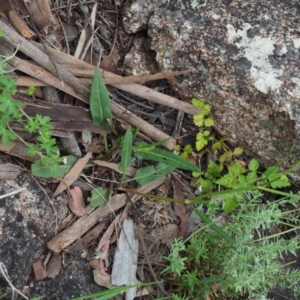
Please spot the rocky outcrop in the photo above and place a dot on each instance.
(247, 57)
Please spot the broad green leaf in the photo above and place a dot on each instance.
(164, 169)
(39, 170)
(126, 150)
(148, 174)
(215, 227)
(168, 158)
(253, 165)
(99, 196)
(145, 175)
(99, 101)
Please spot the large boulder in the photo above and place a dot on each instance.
(247, 55)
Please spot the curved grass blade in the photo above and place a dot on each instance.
(167, 158)
(99, 101)
(215, 227)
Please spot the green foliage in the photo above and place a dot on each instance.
(207, 266)
(202, 121)
(99, 196)
(11, 110)
(177, 264)
(31, 90)
(225, 171)
(65, 164)
(171, 159)
(126, 155)
(151, 173)
(107, 294)
(99, 101)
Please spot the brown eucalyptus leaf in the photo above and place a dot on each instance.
(76, 202)
(73, 174)
(39, 270)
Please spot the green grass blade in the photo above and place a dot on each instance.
(215, 227)
(126, 154)
(167, 158)
(109, 294)
(279, 193)
(99, 100)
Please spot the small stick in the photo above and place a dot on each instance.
(12, 193)
(4, 273)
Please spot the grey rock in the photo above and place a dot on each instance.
(27, 222)
(247, 57)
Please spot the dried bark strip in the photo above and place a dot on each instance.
(20, 25)
(108, 79)
(78, 68)
(83, 224)
(15, 39)
(18, 149)
(41, 15)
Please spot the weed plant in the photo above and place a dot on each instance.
(206, 266)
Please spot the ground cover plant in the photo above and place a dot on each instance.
(206, 266)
